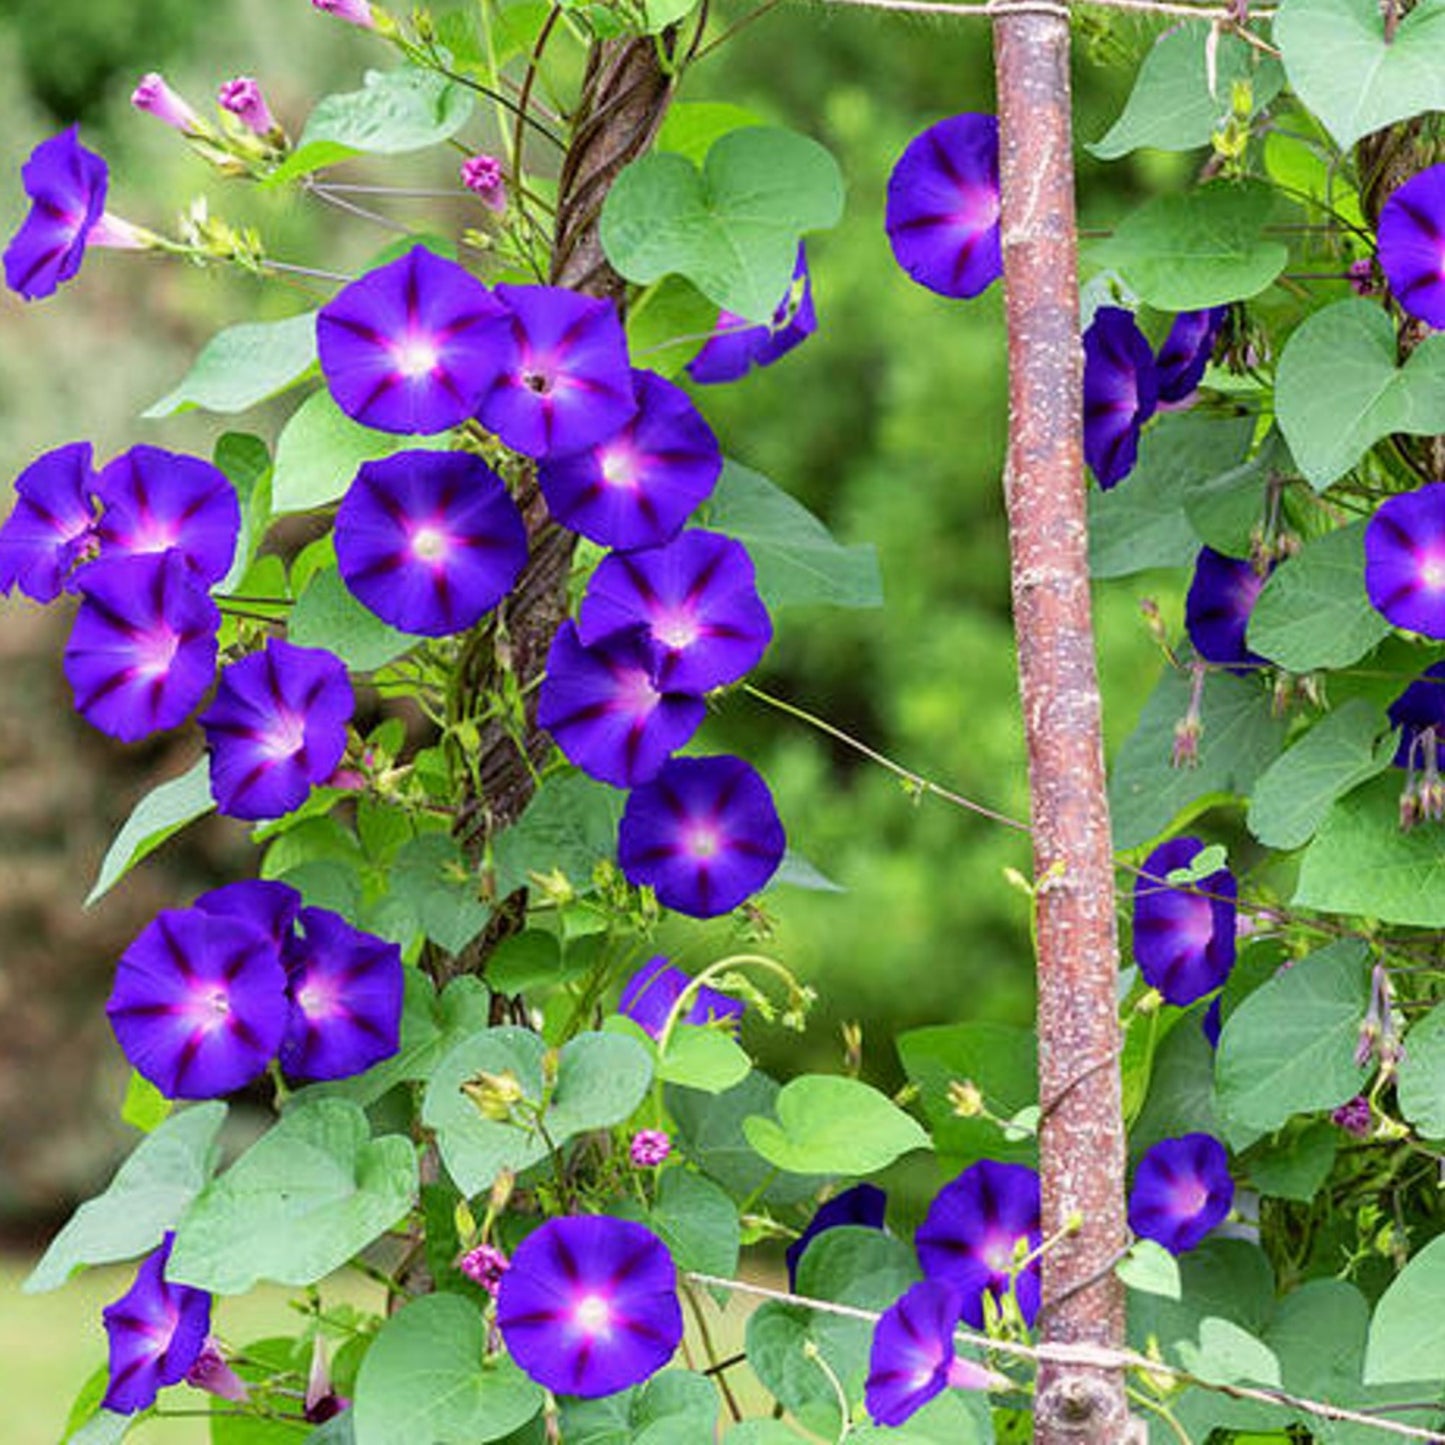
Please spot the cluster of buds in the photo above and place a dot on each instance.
(1423, 797)
(248, 140)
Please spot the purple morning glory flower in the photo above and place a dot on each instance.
(737, 344)
(142, 652)
(157, 1332)
(605, 712)
(154, 500)
(1420, 709)
(1412, 245)
(276, 725)
(589, 1305)
(1182, 1189)
(414, 345)
(649, 995)
(972, 1232)
(154, 96)
(942, 214)
(1183, 939)
(199, 1004)
(429, 541)
(704, 833)
(51, 523)
(567, 384)
(1120, 393)
(264, 903)
(863, 1204)
(346, 990)
(638, 487)
(1221, 596)
(697, 598)
(242, 97)
(1186, 351)
(1405, 560)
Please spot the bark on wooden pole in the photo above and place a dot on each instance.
(1081, 1142)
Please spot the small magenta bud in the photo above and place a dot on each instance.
(1361, 275)
(482, 175)
(156, 98)
(1354, 1116)
(354, 12)
(485, 1265)
(212, 1373)
(650, 1147)
(243, 98)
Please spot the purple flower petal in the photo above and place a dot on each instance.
(157, 1332)
(243, 98)
(1120, 393)
(1418, 710)
(1182, 1189)
(199, 1004)
(649, 995)
(704, 833)
(912, 1351)
(414, 345)
(605, 712)
(637, 488)
(1186, 351)
(66, 184)
(736, 345)
(589, 1305)
(942, 216)
(429, 541)
(863, 1204)
(698, 600)
(142, 652)
(972, 1232)
(51, 523)
(1212, 1024)
(346, 991)
(265, 904)
(1184, 941)
(1412, 245)
(1405, 560)
(276, 726)
(1221, 597)
(568, 383)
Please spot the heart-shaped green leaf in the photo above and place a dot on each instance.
(828, 1125)
(732, 228)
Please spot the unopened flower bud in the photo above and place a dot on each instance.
(494, 1095)
(1361, 274)
(485, 1265)
(649, 1148)
(852, 1048)
(243, 98)
(156, 98)
(501, 1193)
(965, 1098)
(354, 12)
(482, 175)
(210, 1372)
(1354, 1116)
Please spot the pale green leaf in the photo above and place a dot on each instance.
(828, 1125)
(240, 367)
(163, 811)
(318, 453)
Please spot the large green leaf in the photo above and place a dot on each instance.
(1407, 1334)
(675, 1407)
(1226, 509)
(327, 615)
(1340, 387)
(691, 127)
(601, 1079)
(243, 365)
(732, 228)
(163, 811)
(318, 453)
(570, 825)
(1340, 64)
(697, 1222)
(1421, 1080)
(430, 891)
(829, 1125)
(312, 1191)
(428, 1380)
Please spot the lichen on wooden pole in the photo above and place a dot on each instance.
(1081, 1143)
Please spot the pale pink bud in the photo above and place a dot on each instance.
(354, 12)
(243, 98)
(156, 98)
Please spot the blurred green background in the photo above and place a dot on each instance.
(890, 424)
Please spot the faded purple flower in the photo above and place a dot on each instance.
(242, 97)
(211, 1372)
(276, 725)
(155, 97)
(704, 834)
(1183, 935)
(51, 523)
(972, 1233)
(1405, 560)
(567, 383)
(354, 12)
(605, 712)
(649, 1148)
(1355, 1117)
(1186, 351)
(737, 344)
(1182, 1189)
(1418, 711)
(321, 1402)
(864, 1205)
(638, 487)
(156, 1331)
(1120, 393)
(1221, 597)
(482, 176)
(142, 652)
(485, 1265)
(1412, 245)
(698, 600)
(199, 1004)
(943, 199)
(414, 345)
(429, 541)
(648, 998)
(589, 1305)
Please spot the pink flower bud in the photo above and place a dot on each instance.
(485, 1265)
(482, 175)
(156, 98)
(650, 1147)
(354, 12)
(243, 98)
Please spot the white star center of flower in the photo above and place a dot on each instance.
(415, 357)
(620, 467)
(593, 1315)
(1432, 573)
(429, 544)
(702, 841)
(676, 628)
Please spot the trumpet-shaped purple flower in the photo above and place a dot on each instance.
(155, 500)
(589, 1305)
(942, 214)
(638, 487)
(1405, 560)
(1412, 245)
(1120, 393)
(1221, 597)
(736, 344)
(142, 651)
(346, 990)
(972, 1233)
(1182, 1189)
(649, 996)
(605, 712)
(567, 383)
(211, 1371)
(429, 541)
(704, 834)
(864, 1205)
(157, 1332)
(242, 97)
(414, 345)
(155, 97)
(1186, 351)
(199, 1004)
(51, 523)
(276, 725)
(697, 599)
(1420, 709)
(1184, 936)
